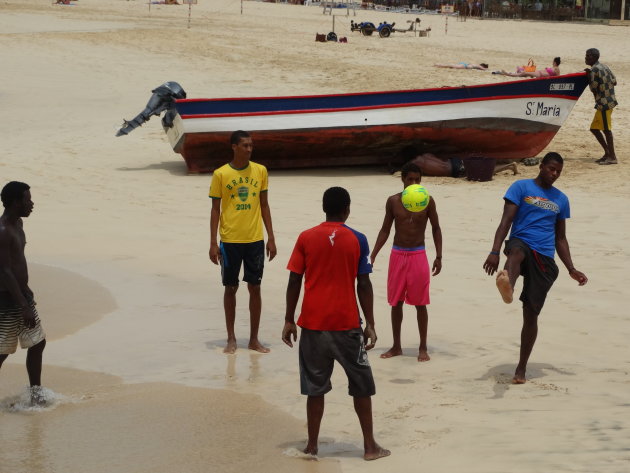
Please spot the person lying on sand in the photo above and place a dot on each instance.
(546, 72)
(464, 65)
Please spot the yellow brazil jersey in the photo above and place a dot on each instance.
(239, 191)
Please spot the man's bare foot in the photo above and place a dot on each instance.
(376, 453)
(519, 377)
(393, 351)
(310, 450)
(504, 286)
(230, 348)
(423, 355)
(257, 346)
(608, 161)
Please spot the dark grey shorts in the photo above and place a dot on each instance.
(318, 352)
(539, 273)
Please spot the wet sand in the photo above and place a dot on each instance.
(100, 425)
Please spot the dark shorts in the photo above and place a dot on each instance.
(250, 255)
(539, 273)
(318, 352)
(457, 167)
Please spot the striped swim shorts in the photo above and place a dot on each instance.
(12, 330)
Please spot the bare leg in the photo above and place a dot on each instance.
(505, 167)
(229, 305)
(34, 363)
(602, 142)
(529, 333)
(423, 324)
(612, 157)
(314, 413)
(397, 317)
(506, 279)
(2, 358)
(255, 309)
(363, 408)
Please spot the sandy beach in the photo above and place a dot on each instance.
(118, 253)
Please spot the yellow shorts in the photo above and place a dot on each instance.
(602, 120)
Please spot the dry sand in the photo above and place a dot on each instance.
(118, 248)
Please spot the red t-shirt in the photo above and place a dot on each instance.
(330, 256)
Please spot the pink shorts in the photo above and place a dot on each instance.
(408, 277)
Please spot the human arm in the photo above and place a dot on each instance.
(293, 295)
(492, 261)
(9, 281)
(265, 212)
(436, 231)
(366, 301)
(215, 214)
(383, 233)
(562, 247)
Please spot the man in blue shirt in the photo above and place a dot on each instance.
(536, 212)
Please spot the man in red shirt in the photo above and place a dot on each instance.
(332, 257)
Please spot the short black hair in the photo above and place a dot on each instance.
(552, 156)
(335, 201)
(484, 65)
(237, 135)
(410, 167)
(593, 52)
(13, 191)
(556, 60)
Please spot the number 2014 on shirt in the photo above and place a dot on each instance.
(243, 206)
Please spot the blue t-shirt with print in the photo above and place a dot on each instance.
(538, 211)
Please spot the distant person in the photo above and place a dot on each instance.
(536, 212)
(408, 276)
(332, 257)
(554, 70)
(240, 207)
(431, 165)
(602, 83)
(464, 65)
(19, 320)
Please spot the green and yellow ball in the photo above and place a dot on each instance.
(415, 198)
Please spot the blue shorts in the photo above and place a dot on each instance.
(249, 255)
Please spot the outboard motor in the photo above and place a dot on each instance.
(163, 99)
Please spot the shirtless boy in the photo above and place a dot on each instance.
(18, 318)
(408, 276)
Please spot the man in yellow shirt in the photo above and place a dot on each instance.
(239, 208)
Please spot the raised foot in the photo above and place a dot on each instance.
(423, 355)
(375, 454)
(257, 346)
(230, 348)
(393, 351)
(504, 286)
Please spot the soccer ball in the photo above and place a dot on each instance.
(415, 198)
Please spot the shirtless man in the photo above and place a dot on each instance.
(18, 318)
(408, 260)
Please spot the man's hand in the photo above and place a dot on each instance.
(289, 330)
(491, 265)
(214, 253)
(271, 249)
(579, 276)
(369, 334)
(29, 317)
(437, 266)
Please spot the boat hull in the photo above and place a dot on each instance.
(510, 120)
